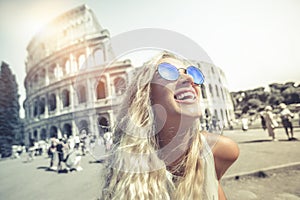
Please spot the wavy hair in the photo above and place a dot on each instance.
(135, 170)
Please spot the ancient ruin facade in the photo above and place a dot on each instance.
(69, 85)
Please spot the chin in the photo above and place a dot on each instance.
(190, 111)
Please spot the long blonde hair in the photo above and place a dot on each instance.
(135, 170)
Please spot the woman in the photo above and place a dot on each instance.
(159, 151)
(271, 123)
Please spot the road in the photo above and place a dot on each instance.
(278, 163)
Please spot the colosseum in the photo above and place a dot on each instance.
(70, 87)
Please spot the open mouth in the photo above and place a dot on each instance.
(185, 96)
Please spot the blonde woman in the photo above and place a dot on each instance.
(159, 151)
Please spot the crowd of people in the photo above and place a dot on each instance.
(65, 153)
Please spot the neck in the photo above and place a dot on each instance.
(174, 140)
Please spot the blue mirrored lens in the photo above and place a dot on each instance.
(196, 74)
(168, 71)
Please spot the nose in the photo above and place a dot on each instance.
(184, 77)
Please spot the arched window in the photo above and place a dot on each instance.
(83, 126)
(103, 125)
(211, 90)
(35, 108)
(101, 90)
(35, 135)
(99, 58)
(67, 130)
(120, 86)
(43, 134)
(53, 132)
(66, 98)
(42, 106)
(81, 93)
(52, 102)
(203, 91)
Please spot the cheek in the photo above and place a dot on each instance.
(198, 90)
(161, 94)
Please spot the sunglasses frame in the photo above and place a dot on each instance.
(178, 73)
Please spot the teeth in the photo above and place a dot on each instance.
(185, 95)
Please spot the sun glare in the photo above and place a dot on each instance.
(39, 15)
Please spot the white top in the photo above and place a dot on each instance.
(210, 182)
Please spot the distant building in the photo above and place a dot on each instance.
(69, 87)
(216, 101)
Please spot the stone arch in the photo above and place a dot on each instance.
(83, 125)
(120, 85)
(65, 98)
(103, 125)
(42, 106)
(36, 107)
(35, 135)
(67, 129)
(101, 94)
(52, 102)
(81, 94)
(53, 132)
(43, 134)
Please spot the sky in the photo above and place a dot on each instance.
(255, 42)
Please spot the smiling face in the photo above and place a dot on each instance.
(176, 99)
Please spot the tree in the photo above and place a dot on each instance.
(255, 100)
(9, 110)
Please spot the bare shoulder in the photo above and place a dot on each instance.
(225, 149)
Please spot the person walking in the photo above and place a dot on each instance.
(286, 119)
(271, 123)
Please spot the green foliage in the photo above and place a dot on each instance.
(9, 110)
(250, 101)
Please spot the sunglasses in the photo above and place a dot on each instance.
(171, 73)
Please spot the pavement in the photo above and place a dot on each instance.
(264, 170)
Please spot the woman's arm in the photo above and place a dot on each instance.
(225, 152)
